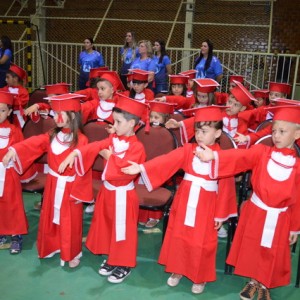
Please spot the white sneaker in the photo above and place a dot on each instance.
(174, 279)
(90, 208)
(222, 232)
(198, 288)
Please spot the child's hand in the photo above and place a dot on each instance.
(106, 153)
(218, 225)
(206, 155)
(110, 129)
(133, 169)
(69, 161)
(31, 109)
(172, 123)
(10, 155)
(161, 99)
(293, 238)
(241, 138)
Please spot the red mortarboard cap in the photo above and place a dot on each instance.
(94, 71)
(238, 78)
(279, 87)
(22, 74)
(283, 102)
(190, 73)
(131, 106)
(260, 93)
(113, 78)
(162, 107)
(6, 97)
(66, 102)
(178, 79)
(207, 113)
(129, 77)
(241, 94)
(57, 88)
(288, 113)
(140, 75)
(206, 85)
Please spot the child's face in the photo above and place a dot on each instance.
(234, 106)
(11, 80)
(231, 86)
(190, 83)
(202, 98)
(139, 86)
(284, 134)
(156, 118)
(275, 95)
(4, 112)
(260, 102)
(122, 126)
(177, 89)
(207, 135)
(65, 123)
(105, 90)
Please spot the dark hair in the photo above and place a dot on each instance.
(163, 51)
(75, 127)
(214, 124)
(209, 57)
(13, 74)
(91, 41)
(6, 42)
(183, 91)
(128, 116)
(97, 79)
(165, 117)
(132, 92)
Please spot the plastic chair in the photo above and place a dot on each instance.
(158, 141)
(37, 96)
(263, 125)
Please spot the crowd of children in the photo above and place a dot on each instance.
(204, 199)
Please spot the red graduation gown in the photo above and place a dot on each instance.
(191, 250)
(101, 238)
(268, 265)
(13, 219)
(65, 237)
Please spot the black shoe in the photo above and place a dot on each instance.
(119, 274)
(106, 269)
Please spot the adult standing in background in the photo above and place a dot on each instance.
(208, 65)
(163, 67)
(89, 58)
(129, 52)
(146, 61)
(6, 57)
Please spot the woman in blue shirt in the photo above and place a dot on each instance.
(163, 67)
(129, 52)
(88, 59)
(6, 57)
(207, 65)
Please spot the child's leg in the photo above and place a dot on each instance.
(16, 244)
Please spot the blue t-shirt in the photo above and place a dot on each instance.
(5, 67)
(128, 59)
(214, 70)
(90, 60)
(148, 64)
(161, 74)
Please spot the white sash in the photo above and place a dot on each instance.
(270, 221)
(2, 176)
(59, 193)
(121, 197)
(20, 118)
(194, 194)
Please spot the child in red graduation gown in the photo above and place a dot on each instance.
(15, 77)
(12, 215)
(60, 226)
(270, 219)
(114, 225)
(199, 207)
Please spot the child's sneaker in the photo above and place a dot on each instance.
(16, 244)
(222, 232)
(3, 242)
(263, 294)
(106, 269)
(119, 274)
(249, 291)
(151, 223)
(198, 288)
(174, 280)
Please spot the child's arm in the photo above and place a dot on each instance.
(172, 123)
(206, 155)
(293, 238)
(133, 169)
(68, 162)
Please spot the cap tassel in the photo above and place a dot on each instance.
(60, 118)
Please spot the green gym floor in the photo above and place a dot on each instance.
(24, 276)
